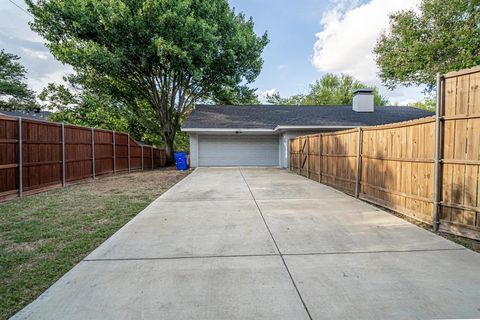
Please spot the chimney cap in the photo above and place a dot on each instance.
(363, 91)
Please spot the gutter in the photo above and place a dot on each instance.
(275, 130)
(233, 130)
(278, 128)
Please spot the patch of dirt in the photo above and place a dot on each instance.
(159, 179)
(23, 246)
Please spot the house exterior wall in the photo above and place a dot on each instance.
(193, 150)
(283, 147)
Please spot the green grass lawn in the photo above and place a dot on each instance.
(45, 235)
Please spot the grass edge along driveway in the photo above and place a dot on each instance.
(45, 235)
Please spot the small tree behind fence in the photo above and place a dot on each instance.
(39, 155)
(427, 169)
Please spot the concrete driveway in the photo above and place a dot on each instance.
(265, 244)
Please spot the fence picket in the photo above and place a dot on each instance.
(20, 157)
(63, 155)
(114, 152)
(93, 152)
(359, 163)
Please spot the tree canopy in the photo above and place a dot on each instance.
(442, 36)
(331, 89)
(163, 54)
(96, 106)
(14, 92)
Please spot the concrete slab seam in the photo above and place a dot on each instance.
(185, 257)
(226, 199)
(278, 249)
(373, 251)
(269, 255)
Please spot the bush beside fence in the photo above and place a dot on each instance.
(39, 155)
(427, 169)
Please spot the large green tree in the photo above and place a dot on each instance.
(97, 107)
(442, 36)
(331, 89)
(87, 108)
(14, 92)
(168, 53)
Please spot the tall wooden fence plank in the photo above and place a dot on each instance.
(460, 205)
(8, 157)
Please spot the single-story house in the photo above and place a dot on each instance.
(37, 114)
(224, 135)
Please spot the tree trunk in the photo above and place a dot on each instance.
(169, 150)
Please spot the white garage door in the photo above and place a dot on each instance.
(237, 150)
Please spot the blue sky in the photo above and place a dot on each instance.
(291, 29)
(342, 31)
(307, 39)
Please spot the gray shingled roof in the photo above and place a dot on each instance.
(42, 115)
(270, 116)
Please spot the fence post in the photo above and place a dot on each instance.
(438, 179)
(93, 152)
(154, 166)
(114, 153)
(142, 156)
(320, 157)
(298, 155)
(359, 163)
(128, 151)
(308, 156)
(151, 155)
(20, 157)
(63, 155)
(289, 147)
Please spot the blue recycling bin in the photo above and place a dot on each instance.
(181, 160)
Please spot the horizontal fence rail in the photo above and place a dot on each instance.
(427, 169)
(38, 155)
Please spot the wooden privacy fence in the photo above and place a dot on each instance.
(39, 155)
(427, 169)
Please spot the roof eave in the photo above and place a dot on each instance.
(225, 130)
(287, 128)
(279, 128)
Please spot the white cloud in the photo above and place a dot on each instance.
(265, 93)
(349, 35)
(281, 67)
(262, 94)
(407, 102)
(37, 54)
(39, 83)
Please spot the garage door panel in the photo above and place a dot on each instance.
(238, 150)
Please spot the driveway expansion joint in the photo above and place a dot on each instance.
(185, 257)
(268, 255)
(278, 249)
(372, 251)
(202, 200)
